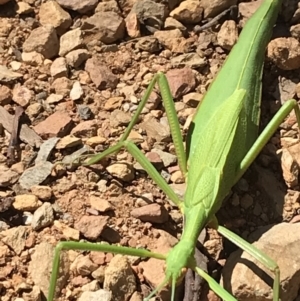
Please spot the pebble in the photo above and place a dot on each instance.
(153, 213)
(42, 217)
(26, 202)
(91, 226)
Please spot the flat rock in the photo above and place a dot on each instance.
(82, 6)
(35, 175)
(15, 238)
(181, 81)
(101, 294)
(56, 125)
(281, 243)
(46, 150)
(85, 129)
(100, 204)
(213, 8)
(68, 141)
(153, 213)
(91, 226)
(100, 74)
(7, 76)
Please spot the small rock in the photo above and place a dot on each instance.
(22, 95)
(91, 287)
(7, 76)
(5, 95)
(42, 217)
(35, 175)
(101, 294)
(153, 213)
(172, 23)
(100, 204)
(123, 171)
(54, 98)
(82, 6)
(69, 41)
(32, 58)
(45, 150)
(77, 91)
(84, 112)
(7, 176)
(94, 141)
(192, 60)
(85, 129)
(156, 130)
(108, 27)
(23, 8)
(253, 283)
(15, 238)
(42, 40)
(133, 25)
(77, 57)
(212, 9)
(34, 109)
(100, 74)
(290, 167)
(228, 35)
(42, 192)
(149, 44)
(113, 103)
(284, 53)
(91, 226)
(188, 12)
(68, 141)
(247, 9)
(40, 267)
(167, 158)
(56, 125)
(119, 278)
(67, 231)
(150, 13)
(177, 177)
(110, 5)
(181, 81)
(26, 202)
(59, 68)
(119, 117)
(34, 295)
(50, 13)
(83, 266)
(62, 85)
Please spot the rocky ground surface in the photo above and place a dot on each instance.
(71, 75)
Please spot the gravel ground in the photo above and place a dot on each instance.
(71, 76)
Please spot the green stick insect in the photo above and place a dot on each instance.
(221, 144)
